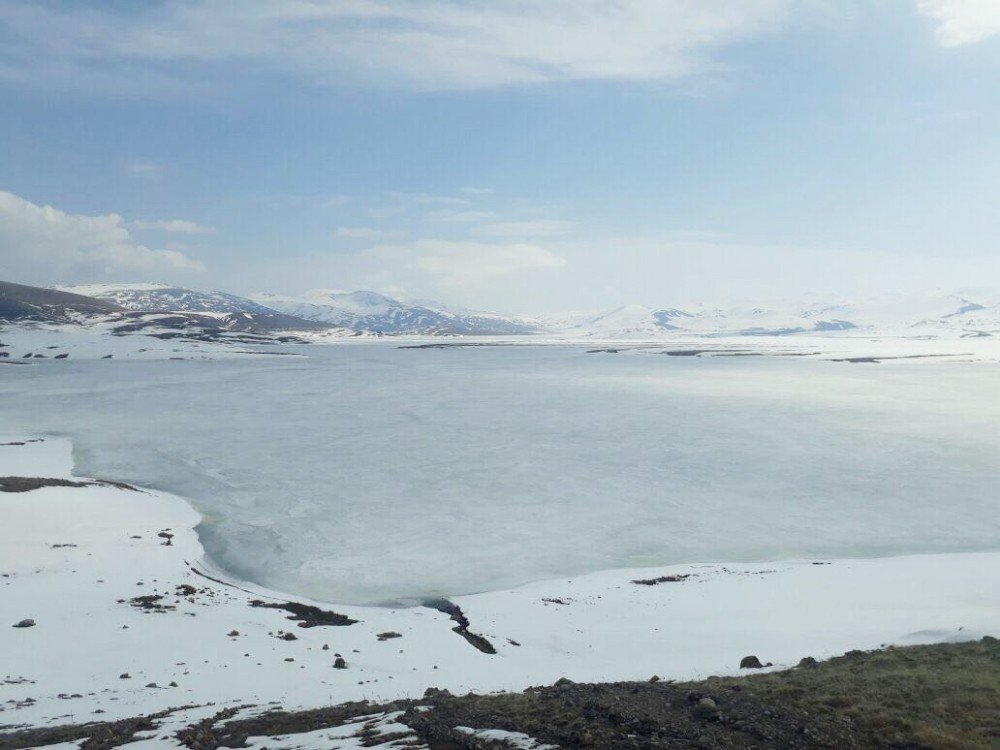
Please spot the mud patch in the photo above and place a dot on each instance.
(663, 579)
(27, 484)
(462, 628)
(306, 615)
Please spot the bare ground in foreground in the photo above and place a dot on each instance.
(940, 696)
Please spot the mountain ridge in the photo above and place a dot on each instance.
(370, 313)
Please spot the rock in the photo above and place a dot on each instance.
(24, 624)
(706, 709)
(173, 684)
(340, 663)
(288, 637)
(387, 635)
(326, 647)
(562, 681)
(124, 676)
(152, 685)
(807, 661)
(233, 633)
(436, 693)
(655, 678)
(750, 662)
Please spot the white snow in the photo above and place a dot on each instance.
(936, 314)
(102, 290)
(95, 341)
(346, 737)
(517, 740)
(365, 311)
(595, 627)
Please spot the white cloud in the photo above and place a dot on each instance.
(677, 269)
(178, 226)
(336, 201)
(145, 169)
(425, 199)
(963, 21)
(536, 228)
(456, 264)
(433, 44)
(481, 275)
(39, 242)
(363, 233)
(459, 217)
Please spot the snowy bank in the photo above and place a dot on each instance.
(129, 618)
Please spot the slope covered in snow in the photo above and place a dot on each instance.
(932, 314)
(365, 311)
(19, 303)
(149, 309)
(166, 298)
(116, 614)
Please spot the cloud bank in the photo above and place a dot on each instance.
(178, 226)
(43, 244)
(432, 44)
(963, 21)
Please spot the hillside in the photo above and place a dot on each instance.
(20, 302)
(366, 311)
(167, 298)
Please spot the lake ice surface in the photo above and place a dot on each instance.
(367, 473)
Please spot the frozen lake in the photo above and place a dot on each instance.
(368, 473)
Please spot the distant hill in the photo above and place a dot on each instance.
(21, 302)
(365, 311)
(149, 311)
(928, 314)
(136, 308)
(228, 310)
(166, 298)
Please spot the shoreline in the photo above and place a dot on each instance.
(106, 603)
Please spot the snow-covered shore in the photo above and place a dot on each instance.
(96, 341)
(127, 623)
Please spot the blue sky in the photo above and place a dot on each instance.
(518, 156)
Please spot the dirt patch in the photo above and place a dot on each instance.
(27, 484)
(942, 696)
(96, 736)
(663, 579)
(151, 603)
(462, 628)
(877, 360)
(306, 615)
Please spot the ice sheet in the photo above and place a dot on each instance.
(368, 473)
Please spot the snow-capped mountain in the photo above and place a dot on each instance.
(626, 322)
(226, 311)
(366, 313)
(931, 314)
(30, 303)
(377, 313)
(163, 297)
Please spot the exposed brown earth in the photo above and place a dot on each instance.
(942, 696)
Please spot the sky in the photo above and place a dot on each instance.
(512, 155)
